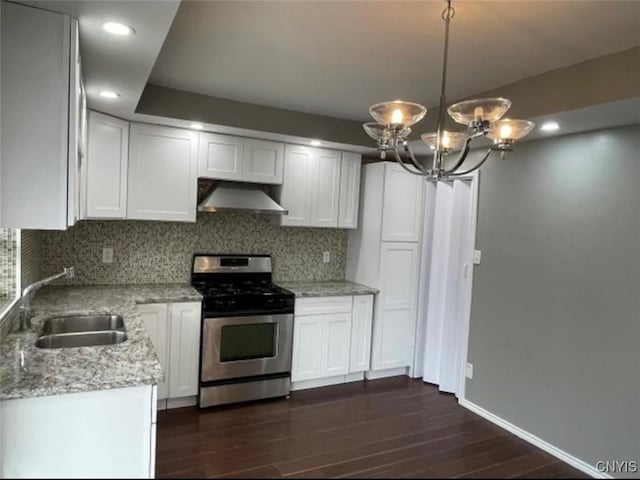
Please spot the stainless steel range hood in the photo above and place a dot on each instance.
(239, 197)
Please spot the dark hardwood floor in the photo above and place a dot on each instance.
(387, 428)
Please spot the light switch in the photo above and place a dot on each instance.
(107, 255)
(468, 371)
(326, 257)
(477, 257)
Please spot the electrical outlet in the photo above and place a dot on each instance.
(468, 371)
(477, 257)
(326, 257)
(107, 255)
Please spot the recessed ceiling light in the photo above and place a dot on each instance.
(109, 94)
(115, 28)
(196, 126)
(316, 143)
(550, 127)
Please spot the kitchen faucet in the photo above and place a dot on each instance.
(27, 294)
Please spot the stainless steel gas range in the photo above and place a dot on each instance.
(247, 329)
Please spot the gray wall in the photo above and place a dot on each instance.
(169, 102)
(161, 252)
(555, 327)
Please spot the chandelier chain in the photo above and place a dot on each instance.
(447, 15)
(449, 12)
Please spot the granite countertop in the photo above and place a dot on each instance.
(327, 289)
(27, 371)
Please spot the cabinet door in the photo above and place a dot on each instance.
(394, 324)
(184, 363)
(220, 157)
(349, 190)
(35, 117)
(156, 321)
(361, 324)
(402, 205)
(106, 167)
(162, 173)
(325, 187)
(75, 127)
(307, 348)
(263, 161)
(336, 344)
(295, 194)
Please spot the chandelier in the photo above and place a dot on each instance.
(482, 117)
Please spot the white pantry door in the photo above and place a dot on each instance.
(449, 245)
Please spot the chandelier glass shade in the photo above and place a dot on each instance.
(508, 131)
(474, 112)
(450, 141)
(377, 131)
(397, 114)
(482, 117)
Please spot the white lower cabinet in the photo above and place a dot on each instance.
(307, 347)
(97, 434)
(184, 353)
(337, 344)
(361, 317)
(175, 333)
(156, 322)
(393, 332)
(331, 340)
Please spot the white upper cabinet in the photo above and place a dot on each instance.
(263, 161)
(349, 190)
(77, 128)
(295, 193)
(325, 187)
(39, 143)
(313, 186)
(220, 157)
(402, 207)
(106, 167)
(223, 157)
(162, 182)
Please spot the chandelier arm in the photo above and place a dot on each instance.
(478, 165)
(396, 154)
(464, 152)
(414, 160)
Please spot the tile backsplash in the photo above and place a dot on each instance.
(161, 252)
(7, 263)
(30, 263)
(31, 257)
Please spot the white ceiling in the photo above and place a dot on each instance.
(122, 64)
(336, 58)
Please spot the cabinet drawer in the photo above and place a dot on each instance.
(322, 305)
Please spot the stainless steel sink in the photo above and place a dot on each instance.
(82, 331)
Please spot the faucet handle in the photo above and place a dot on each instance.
(69, 272)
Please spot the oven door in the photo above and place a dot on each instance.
(236, 347)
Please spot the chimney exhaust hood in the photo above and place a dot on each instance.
(238, 197)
